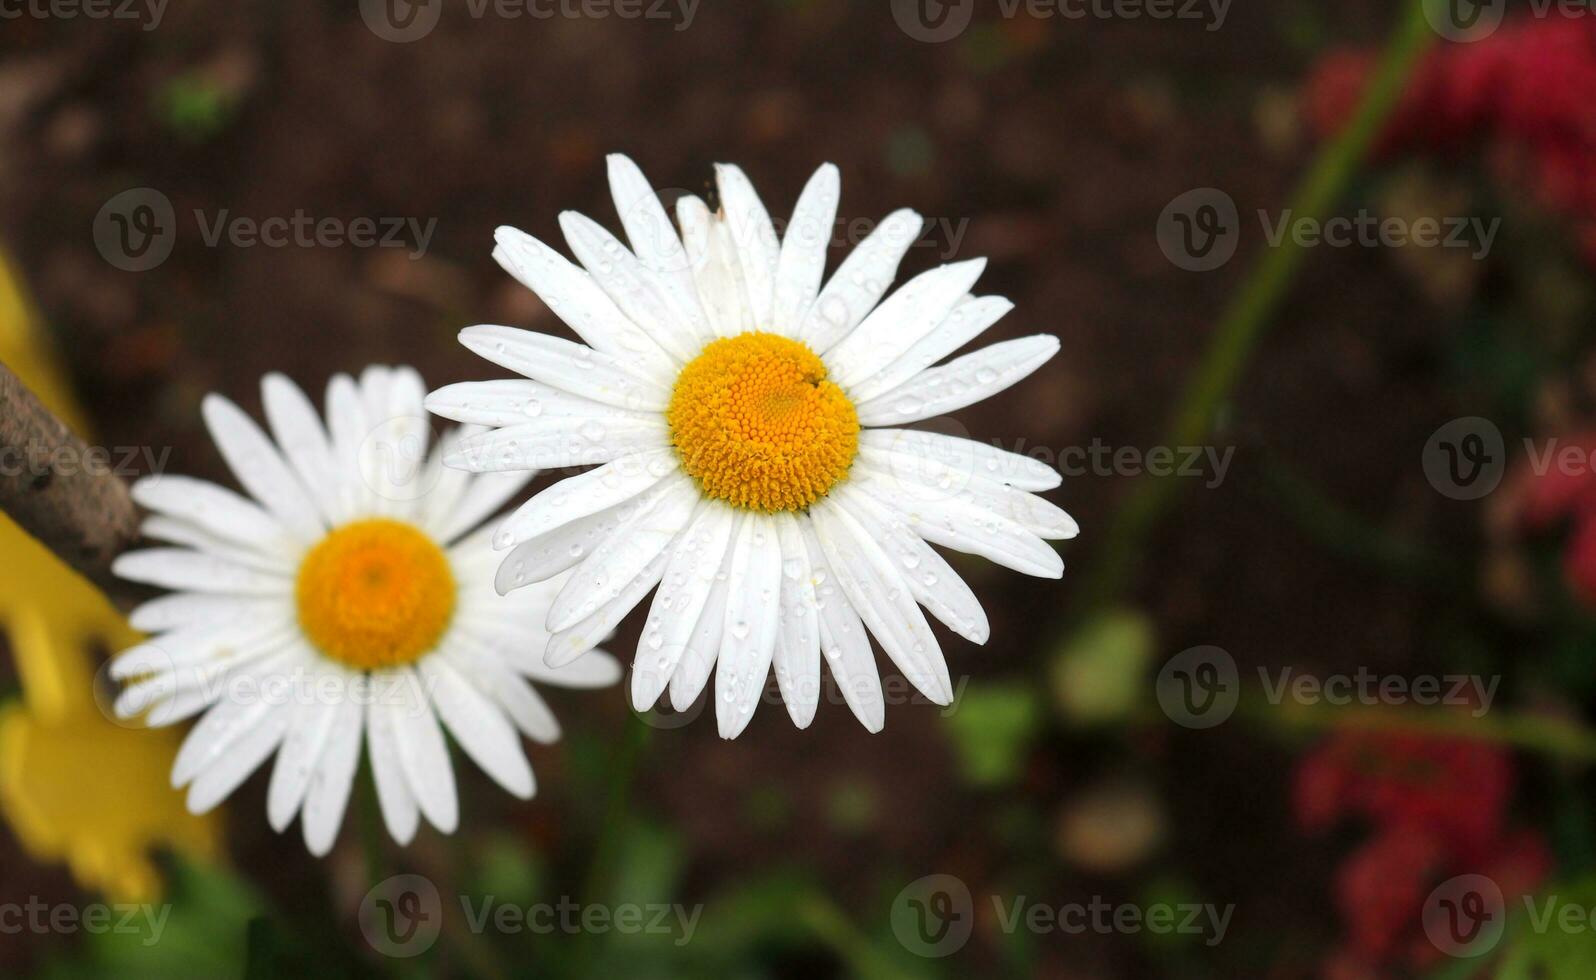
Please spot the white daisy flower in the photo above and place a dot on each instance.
(350, 597)
(746, 420)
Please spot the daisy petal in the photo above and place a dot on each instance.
(260, 468)
(514, 401)
(629, 549)
(348, 428)
(697, 657)
(966, 455)
(296, 761)
(695, 561)
(550, 444)
(845, 642)
(423, 754)
(298, 430)
(639, 292)
(882, 600)
(334, 777)
(217, 510)
(584, 494)
(245, 755)
(568, 644)
(962, 526)
(478, 725)
(965, 381)
(907, 317)
(570, 367)
(753, 235)
(932, 580)
(585, 307)
(485, 496)
(797, 657)
(716, 269)
(591, 670)
(657, 246)
(400, 812)
(802, 262)
(860, 282)
(749, 641)
(520, 702)
(927, 478)
(172, 530)
(968, 320)
(551, 553)
(168, 612)
(194, 571)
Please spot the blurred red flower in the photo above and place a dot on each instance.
(1437, 808)
(1523, 94)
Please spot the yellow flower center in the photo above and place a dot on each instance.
(375, 593)
(757, 424)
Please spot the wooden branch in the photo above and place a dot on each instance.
(59, 491)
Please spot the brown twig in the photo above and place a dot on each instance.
(50, 485)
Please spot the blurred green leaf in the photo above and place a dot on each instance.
(194, 107)
(1545, 950)
(992, 729)
(1102, 671)
(851, 807)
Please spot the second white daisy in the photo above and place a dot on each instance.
(348, 601)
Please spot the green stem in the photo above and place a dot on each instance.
(836, 931)
(1253, 307)
(1557, 737)
(369, 820)
(601, 872)
(1339, 530)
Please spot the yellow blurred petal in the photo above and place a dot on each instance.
(75, 786)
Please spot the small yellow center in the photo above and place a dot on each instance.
(758, 425)
(375, 593)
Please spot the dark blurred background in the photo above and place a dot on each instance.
(1051, 145)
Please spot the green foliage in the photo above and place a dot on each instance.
(993, 728)
(1101, 672)
(1540, 947)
